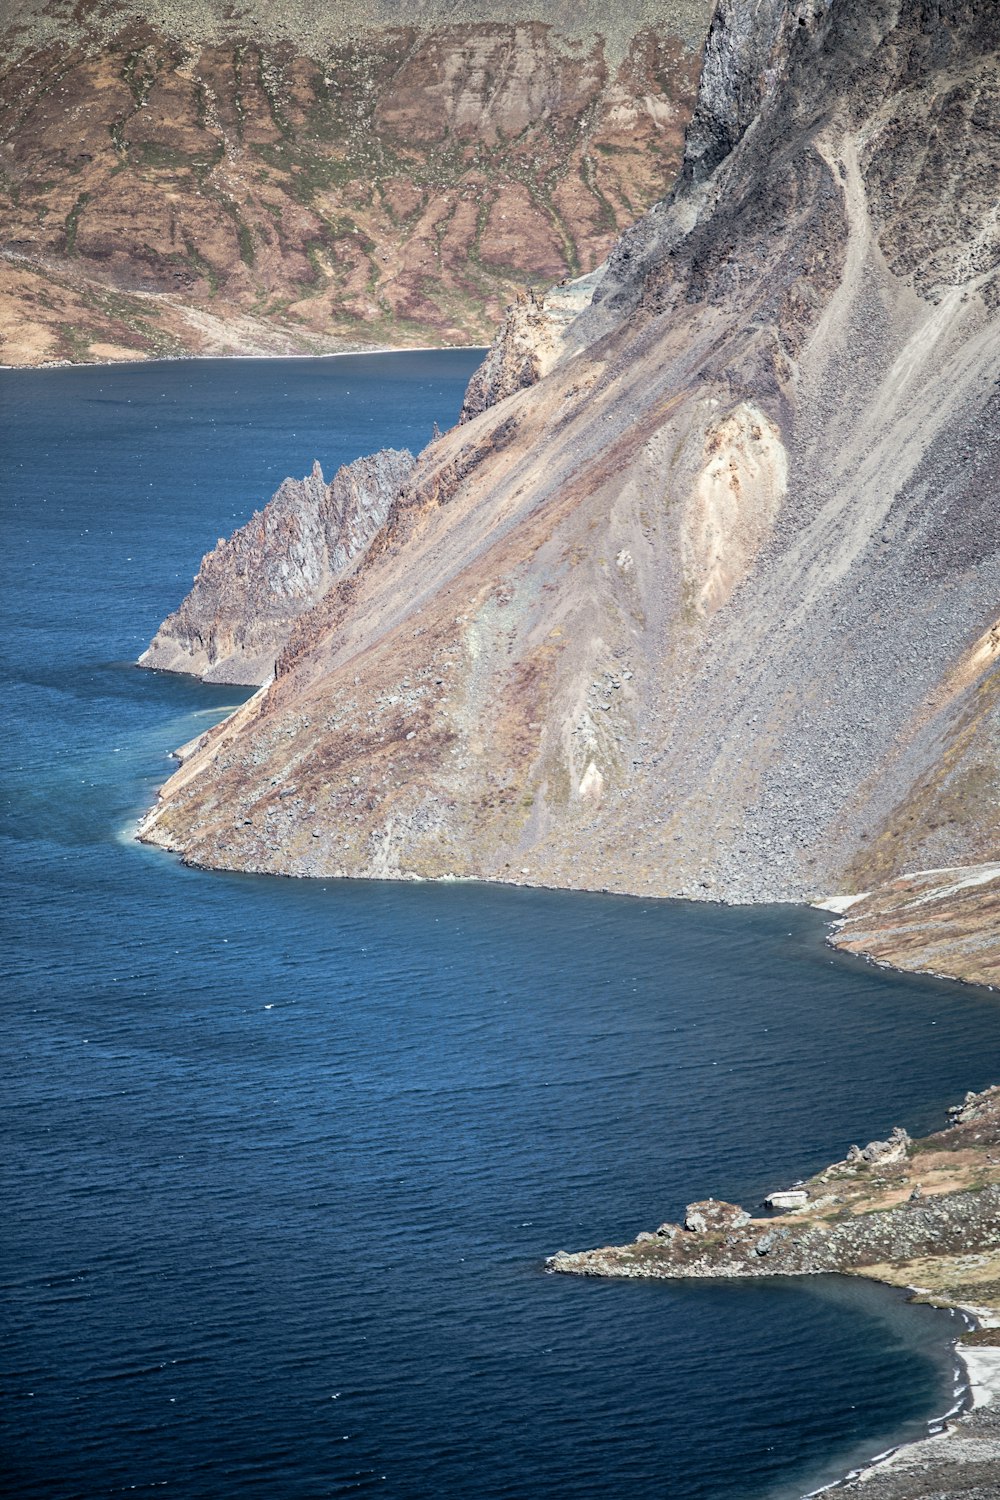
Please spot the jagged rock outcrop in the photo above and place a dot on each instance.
(191, 176)
(709, 609)
(712, 1216)
(532, 336)
(252, 588)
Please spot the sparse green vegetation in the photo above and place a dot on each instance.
(201, 265)
(137, 76)
(73, 221)
(75, 342)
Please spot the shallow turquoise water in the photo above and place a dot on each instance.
(283, 1160)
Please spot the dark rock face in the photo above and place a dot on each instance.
(251, 589)
(794, 73)
(737, 68)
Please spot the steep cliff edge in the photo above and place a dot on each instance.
(196, 176)
(252, 588)
(532, 337)
(709, 609)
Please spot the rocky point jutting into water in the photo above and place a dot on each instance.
(251, 589)
(880, 1212)
(197, 176)
(923, 1214)
(710, 608)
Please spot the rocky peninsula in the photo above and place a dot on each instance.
(921, 1213)
(911, 1212)
(253, 587)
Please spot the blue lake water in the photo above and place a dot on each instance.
(282, 1160)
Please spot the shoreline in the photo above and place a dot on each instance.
(976, 1370)
(917, 939)
(176, 359)
(937, 1427)
(888, 1475)
(145, 834)
(919, 1215)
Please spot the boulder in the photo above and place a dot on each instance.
(714, 1216)
(792, 1198)
(884, 1153)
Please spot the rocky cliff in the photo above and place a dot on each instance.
(710, 608)
(252, 588)
(198, 176)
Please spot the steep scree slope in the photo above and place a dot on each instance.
(711, 608)
(197, 176)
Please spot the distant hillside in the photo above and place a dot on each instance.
(207, 177)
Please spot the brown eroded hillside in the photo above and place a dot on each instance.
(710, 608)
(199, 177)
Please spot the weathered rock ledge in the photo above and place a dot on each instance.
(944, 922)
(535, 332)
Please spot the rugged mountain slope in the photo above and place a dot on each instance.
(711, 608)
(251, 589)
(200, 176)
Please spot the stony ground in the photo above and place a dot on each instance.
(924, 1213)
(932, 921)
(962, 1463)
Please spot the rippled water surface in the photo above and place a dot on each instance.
(283, 1160)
